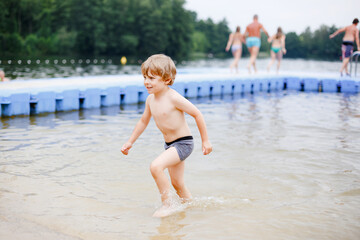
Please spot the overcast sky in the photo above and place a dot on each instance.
(289, 14)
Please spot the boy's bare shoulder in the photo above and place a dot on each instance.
(174, 95)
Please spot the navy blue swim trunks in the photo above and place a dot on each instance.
(184, 146)
(347, 48)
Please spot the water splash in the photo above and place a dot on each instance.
(213, 202)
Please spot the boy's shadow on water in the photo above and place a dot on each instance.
(169, 228)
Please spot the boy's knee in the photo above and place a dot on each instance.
(155, 168)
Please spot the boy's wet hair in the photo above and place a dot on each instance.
(355, 21)
(160, 65)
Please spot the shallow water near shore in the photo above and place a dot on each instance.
(285, 165)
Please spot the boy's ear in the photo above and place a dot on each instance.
(167, 81)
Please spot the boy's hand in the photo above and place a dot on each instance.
(125, 148)
(206, 147)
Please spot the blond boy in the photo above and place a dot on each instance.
(167, 107)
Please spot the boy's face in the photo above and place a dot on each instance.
(154, 83)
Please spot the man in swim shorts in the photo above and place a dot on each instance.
(277, 48)
(347, 46)
(253, 41)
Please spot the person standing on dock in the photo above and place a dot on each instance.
(2, 77)
(347, 47)
(167, 107)
(253, 41)
(235, 42)
(277, 49)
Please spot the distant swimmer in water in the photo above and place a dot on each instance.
(347, 47)
(277, 48)
(2, 77)
(168, 109)
(253, 41)
(235, 42)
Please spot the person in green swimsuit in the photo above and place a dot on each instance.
(277, 48)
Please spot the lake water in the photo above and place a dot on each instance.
(40, 68)
(285, 165)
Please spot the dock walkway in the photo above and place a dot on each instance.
(31, 97)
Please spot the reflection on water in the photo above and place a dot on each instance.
(169, 228)
(57, 68)
(285, 165)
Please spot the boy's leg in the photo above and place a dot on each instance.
(278, 65)
(177, 179)
(271, 61)
(256, 51)
(249, 64)
(167, 159)
(253, 56)
(237, 58)
(344, 65)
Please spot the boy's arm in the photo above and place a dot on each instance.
(357, 39)
(270, 39)
(283, 44)
(184, 105)
(264, 30)
(246, 33)
(139, 129)
(231, 36)
(243, 38)
(337, 32)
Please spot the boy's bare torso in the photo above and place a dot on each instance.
(254, 29)
(170, 120)
(350, 33)
(237, 38)
(277, 42)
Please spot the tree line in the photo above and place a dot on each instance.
(136, 28)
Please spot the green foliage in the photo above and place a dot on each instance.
(294, 46)
(265, 45)
(64, 42)
(199, 42)
(88, 24)
(181, 31)
(129, 44)
(216, 36)
(11, 42)
(323, 46)
(135, 28)
(315, 45)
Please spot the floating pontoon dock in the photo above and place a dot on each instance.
(31, 97)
